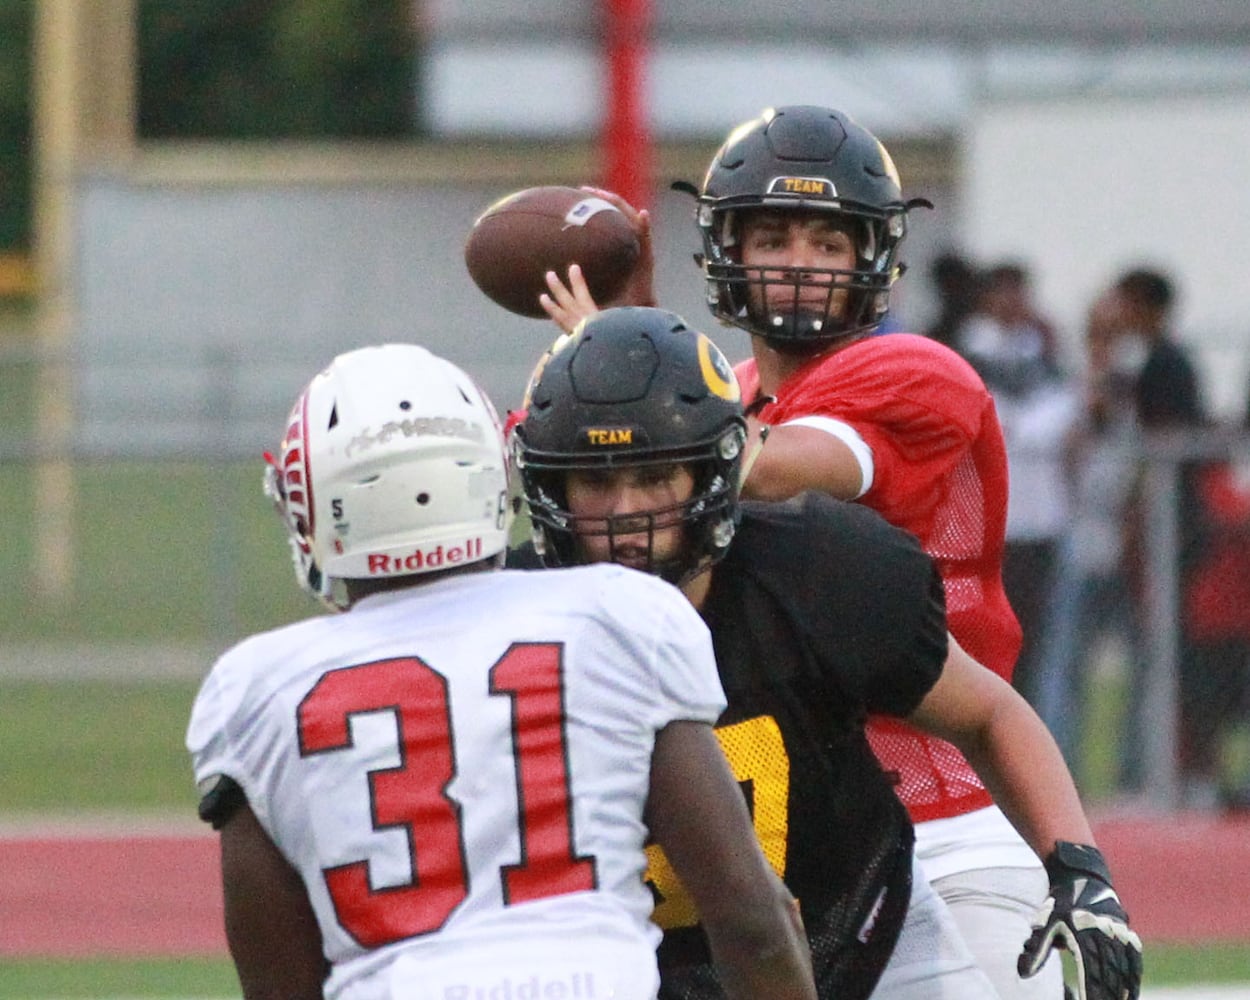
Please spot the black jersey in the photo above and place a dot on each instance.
(820, 613)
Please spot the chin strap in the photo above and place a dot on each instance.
(748, 460)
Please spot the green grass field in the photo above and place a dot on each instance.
(175, 977)
(95, 745)
(160, 550)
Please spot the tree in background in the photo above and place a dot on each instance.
(15, 28)
(218, 69)
(276, 69)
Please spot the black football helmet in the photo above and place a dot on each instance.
(808, 159)
(633, 386)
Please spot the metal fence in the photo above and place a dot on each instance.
(228, 410)
(1163, 457)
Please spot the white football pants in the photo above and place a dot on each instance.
(994, 910)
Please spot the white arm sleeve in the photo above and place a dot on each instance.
(849, 436)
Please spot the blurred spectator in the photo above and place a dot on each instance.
(1013, 349)
(1167, 396)
(955, 281)
(1167, 390)
(1091, 601)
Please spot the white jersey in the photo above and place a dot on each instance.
(464, 762)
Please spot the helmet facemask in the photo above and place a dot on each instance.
(811, 316)
(708, 519)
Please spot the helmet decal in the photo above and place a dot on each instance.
(367, 438)
(820, 186)
(610, 437)
(717, 374)
(296, 481)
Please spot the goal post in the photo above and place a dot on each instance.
(83, 106)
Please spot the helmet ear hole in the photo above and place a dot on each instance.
(731, 443)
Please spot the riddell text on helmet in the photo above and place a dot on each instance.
(435, 558)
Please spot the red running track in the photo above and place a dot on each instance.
(77, 895)
(1183, 878)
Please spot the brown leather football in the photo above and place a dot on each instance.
(518, 239)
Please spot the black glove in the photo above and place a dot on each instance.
(1083, 914)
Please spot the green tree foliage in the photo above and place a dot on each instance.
(276, 69)
(15, 28)
(232, 69)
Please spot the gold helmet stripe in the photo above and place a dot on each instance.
(717, 374)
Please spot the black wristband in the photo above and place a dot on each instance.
(1068, 859)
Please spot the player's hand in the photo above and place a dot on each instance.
(568, 305)
(639, 289)
(1083, 914)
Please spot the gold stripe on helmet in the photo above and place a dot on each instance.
(717, 374)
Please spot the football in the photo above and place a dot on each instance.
(518, 239)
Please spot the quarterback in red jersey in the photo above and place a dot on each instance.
(802, 216)
(912, 420)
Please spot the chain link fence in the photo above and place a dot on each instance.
(169, 552)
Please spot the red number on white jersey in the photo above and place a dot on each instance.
(413, 795)
(531, 675)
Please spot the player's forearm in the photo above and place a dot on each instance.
(1010, 748)
(778, 978)
(1022, 766)
(773, 963)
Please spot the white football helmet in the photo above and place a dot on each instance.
(392, 464)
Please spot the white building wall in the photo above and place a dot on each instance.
(1081, 189)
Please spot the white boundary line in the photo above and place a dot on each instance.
(1206, 992)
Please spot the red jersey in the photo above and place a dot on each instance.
(1216, 591)
(940, 471)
